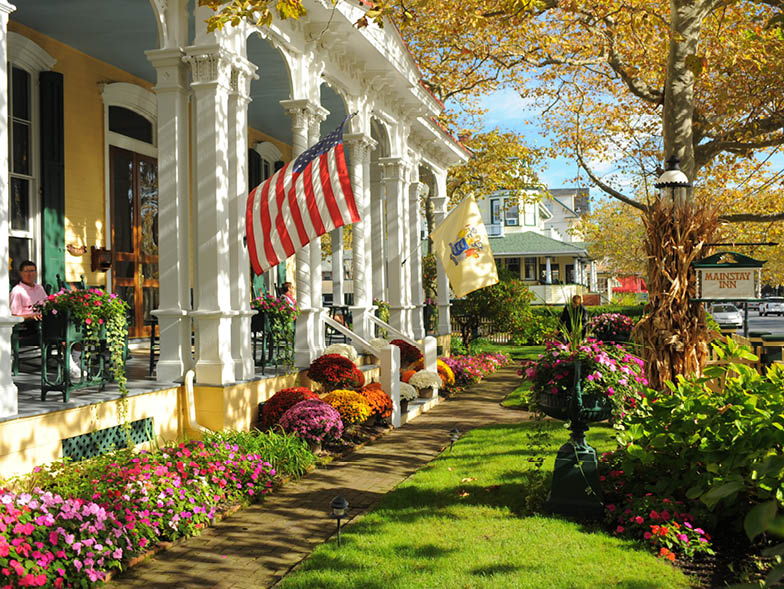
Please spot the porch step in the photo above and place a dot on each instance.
(417, 407)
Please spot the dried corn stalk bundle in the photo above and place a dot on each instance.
(672, 331)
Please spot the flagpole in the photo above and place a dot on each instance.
(412, 252)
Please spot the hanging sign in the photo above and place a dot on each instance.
(728, 276)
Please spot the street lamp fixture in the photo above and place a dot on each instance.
(454, 436)
(673, 183)
(339, 507)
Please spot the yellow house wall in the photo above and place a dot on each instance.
(85, 210)
(31, 441)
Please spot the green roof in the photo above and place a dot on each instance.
(529, 243)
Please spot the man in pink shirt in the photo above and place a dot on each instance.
(27, 293)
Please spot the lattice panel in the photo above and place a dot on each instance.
(105, 440)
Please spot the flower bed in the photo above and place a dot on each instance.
(611, 327)
(379, 401)
(352, 406)
(313, 420)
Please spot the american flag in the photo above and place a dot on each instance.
(300, 202)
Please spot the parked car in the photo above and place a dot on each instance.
(753, 305)
(771, 307)
(727, 315)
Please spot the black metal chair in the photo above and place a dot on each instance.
(341, 314)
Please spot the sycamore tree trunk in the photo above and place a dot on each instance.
(673, 332)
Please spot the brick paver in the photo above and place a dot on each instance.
(258, 545)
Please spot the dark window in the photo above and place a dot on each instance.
(530, 268)
(495, 211)
(131, 124)
(513, 265)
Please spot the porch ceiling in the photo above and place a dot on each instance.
(118, 32)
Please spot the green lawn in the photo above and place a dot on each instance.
(461, 522)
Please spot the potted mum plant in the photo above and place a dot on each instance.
(611, 327)
(426, 382)
(333, 371)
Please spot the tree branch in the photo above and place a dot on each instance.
(607, 188)
(751, 218)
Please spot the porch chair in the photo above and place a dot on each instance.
(341, 314)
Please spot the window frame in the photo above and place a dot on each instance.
(496, 215)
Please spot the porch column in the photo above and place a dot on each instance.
(548, 274)
(211, 83)
(304, 341)
(239, 269)
(594, 279)
(317, 116)
(394, 170)
(360, 146)
(338, 292)
(174, 225)
(406, 323)
(416, 191)
(378, 245)
(9, 398)
(442, 282)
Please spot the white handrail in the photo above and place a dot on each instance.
(355, 339)
(388, 327)
(190, 414)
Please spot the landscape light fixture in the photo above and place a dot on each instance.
(673, 183)
(454, 436)
(339, 508)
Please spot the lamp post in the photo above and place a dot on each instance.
(673, 183)
(339, 508)
(454, 436)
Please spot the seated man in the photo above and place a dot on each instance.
(27, 294)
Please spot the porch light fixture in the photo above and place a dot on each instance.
(339, 507)
(673, 183)
(454, 436)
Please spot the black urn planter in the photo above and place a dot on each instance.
(575, 488)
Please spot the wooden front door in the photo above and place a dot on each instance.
(134, 195)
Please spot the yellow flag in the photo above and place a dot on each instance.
(461, 243)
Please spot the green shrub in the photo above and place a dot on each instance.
(456, 347)
(723, 448)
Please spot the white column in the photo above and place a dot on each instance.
(318, 114)
(442, 282)
(359, 146)
(378, 246)
(594, 277)
(394, 170)
(548, 274)
(416, 190)
(9, 398)
(174, 223)
(338, 290)
(211, 67)
(406, 323)
(239, 269)
(304, 341)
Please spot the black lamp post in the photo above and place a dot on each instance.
(454, 436)
(339, 508)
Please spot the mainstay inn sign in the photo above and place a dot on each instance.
(728, 275)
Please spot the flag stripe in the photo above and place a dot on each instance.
(269, 251)
(345, 183)
(296, 214)
(249, 220)
(280, 222)
(329, 197)
(313, 202)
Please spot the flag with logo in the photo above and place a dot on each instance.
(302, 201)
(460, 242)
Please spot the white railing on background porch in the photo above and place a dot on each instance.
(428, 347)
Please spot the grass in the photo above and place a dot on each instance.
(461, 522)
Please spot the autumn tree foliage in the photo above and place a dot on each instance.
(633, 82)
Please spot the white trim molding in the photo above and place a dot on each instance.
(132, 97)
(28, 54)
(268, 151)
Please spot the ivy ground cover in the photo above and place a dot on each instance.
(463, 521)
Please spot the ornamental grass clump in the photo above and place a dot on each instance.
(425, 379)
(611, 327)
(333, 371)
(379, 401)
(408, 353)
(353, 407)
(314, 421)
(280, 402)
(609, 374)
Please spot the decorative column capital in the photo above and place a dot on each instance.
(360, 145)
(170, 68)
(301, 111)
(210, 65)
(439, 203)
(419, 190)
(394, 168)
(6, 8)
(242, 72)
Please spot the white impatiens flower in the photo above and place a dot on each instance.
(345, 350)
(407, 392)
(379, 343)
(424, 379)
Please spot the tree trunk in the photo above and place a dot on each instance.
(683, 63)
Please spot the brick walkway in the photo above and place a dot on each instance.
(258, 545)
